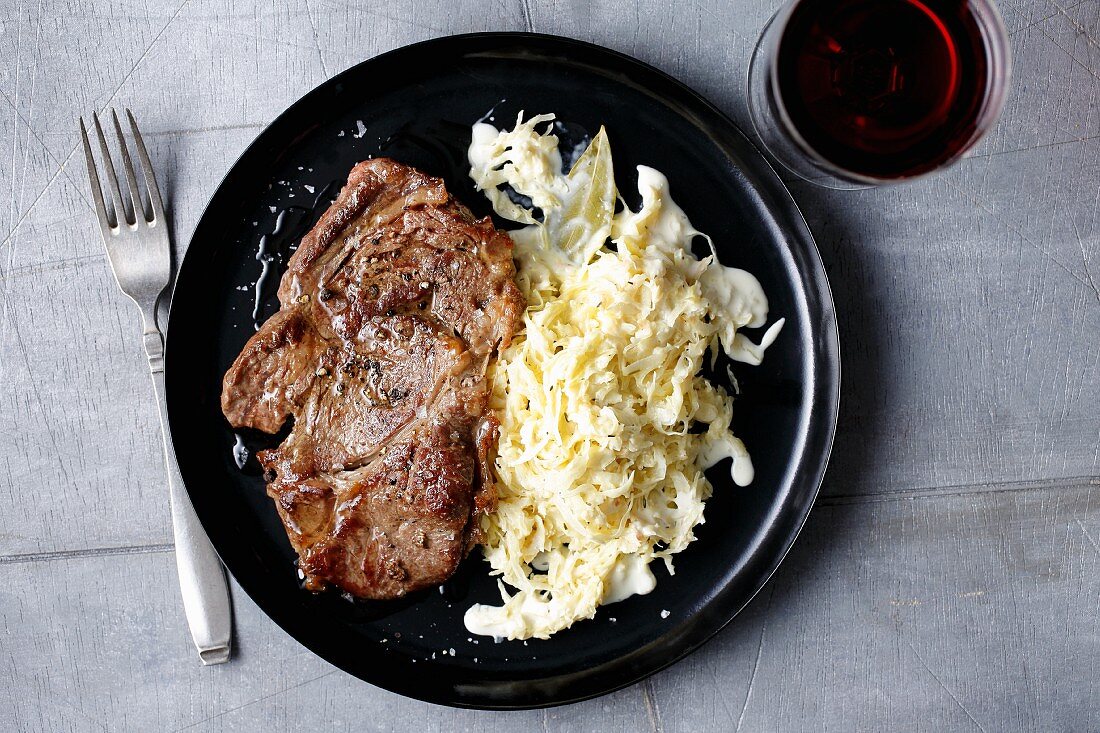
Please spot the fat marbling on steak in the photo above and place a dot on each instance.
(392, 306)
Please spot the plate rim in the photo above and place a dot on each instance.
(824, 367)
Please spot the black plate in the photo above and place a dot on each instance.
(416, 104)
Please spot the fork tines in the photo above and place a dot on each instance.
(118, 209)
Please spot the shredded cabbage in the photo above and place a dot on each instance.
(598, 468)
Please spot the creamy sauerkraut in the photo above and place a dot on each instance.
(599, 466)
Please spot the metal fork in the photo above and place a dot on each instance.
(135, 233)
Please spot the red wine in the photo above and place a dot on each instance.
(883, 88)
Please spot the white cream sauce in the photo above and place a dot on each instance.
(661, 221)
(741, 470)
(530, 164)
(495, 621)
(630, 576)
(739, 302)
(482, 136)
(659, 224)
(736, 294)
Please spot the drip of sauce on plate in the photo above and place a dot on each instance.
(741, 470)
(630, 576)
(275, 248)
(240, 451)
(265, 259)
(741, 303)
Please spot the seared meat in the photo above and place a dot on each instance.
(391, 309)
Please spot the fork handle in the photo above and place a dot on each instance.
(202, 579)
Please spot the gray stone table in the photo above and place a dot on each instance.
(949, 577)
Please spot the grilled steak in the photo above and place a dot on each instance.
(392, 306)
